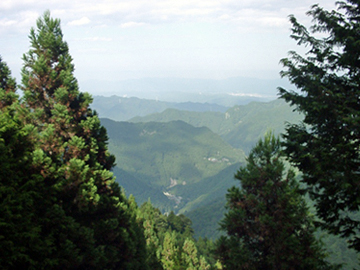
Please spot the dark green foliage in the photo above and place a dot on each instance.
(63, 209)
(206, 249)
(180, 223)
(18, 188)
(21, 203)
(267, 222)
(325, 147)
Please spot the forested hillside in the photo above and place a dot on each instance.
(177, 163)
(241, 126)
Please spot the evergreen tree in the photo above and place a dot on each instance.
(18, 193)
(206, 249)
(204, 265)
(170, 252)
(182, 225)
(325, 147)
(190, 255)
(81, 219)
(170, 241)
(154, 223)
(18, 189)
(267, 222)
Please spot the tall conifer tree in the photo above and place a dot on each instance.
(170, 252)
(267, 222)
(87, 220)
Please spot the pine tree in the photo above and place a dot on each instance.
(87, 223)
(267, 223)
(206, 249)
(170, 252)
(170, 241)
(203, 264)
(190, 255)
(325, 147)
(153, 222)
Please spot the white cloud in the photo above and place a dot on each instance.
(6, 22)
(82, 21)
(128, 13)
(274, 22)
(94, 39)
(131, 24)
(20, 22)
(180, 36)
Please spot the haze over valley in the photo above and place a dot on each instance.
(184, 155)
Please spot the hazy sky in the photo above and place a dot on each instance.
(118, 40)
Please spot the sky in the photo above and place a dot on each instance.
(130, 39)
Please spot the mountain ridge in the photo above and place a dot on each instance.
(190, 89)
(124, 108)
(167, 157)
(241, 125)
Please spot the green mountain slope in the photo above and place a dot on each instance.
(216, 186)
(251, 122)
(212, 120)
(240, 126)
(205, 219)
(141, 190)
(167, 159)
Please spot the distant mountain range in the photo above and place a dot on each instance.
(241, 126)
(123, 108)
(225, 92)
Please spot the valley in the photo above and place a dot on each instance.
(170, 158)
(185, 160)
